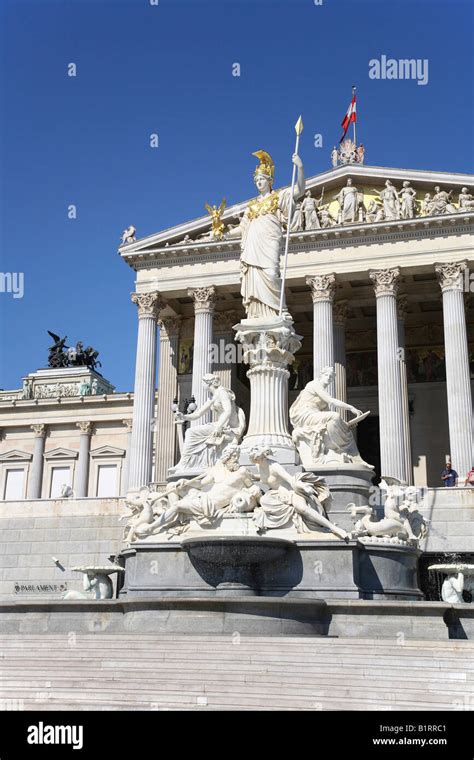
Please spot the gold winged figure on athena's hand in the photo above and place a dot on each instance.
(217, 232)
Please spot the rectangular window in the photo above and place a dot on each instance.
(61, 476)
(107, 480)
(14, 484)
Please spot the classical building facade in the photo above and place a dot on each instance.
(379, 283)
(58, 443)
(379, 287)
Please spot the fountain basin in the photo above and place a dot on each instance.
(234, 564)
(236, 551)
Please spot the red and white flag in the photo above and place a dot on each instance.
(350, 116)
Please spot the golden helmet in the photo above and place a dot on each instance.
(266, 166)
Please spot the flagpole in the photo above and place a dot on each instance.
(353, 93)
(298, 130)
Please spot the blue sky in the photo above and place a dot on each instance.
(167, 69)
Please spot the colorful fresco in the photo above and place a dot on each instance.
(185, 356)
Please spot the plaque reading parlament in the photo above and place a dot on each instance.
(40, 588)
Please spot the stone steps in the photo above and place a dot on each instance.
(159, 700)
(394, 689)
(186, 672)
(236, 671)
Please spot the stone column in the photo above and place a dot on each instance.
(323, 288)
(36, 475)
(392, 450)
(141, 447)
(451, 278)
(126, 464)
(204, 303)
(340, 316)
(165, 436)
(268, 351)
(227, 349)
(402, 309)
(82, 474)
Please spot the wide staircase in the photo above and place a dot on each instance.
(156, 672)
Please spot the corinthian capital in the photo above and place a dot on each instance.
(451, 276)
(169, 327)
(386, 281)
(149, 304)
(323, 287)
(85, 427)
(39, 430)
(204, 298)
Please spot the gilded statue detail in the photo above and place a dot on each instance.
(261, 232)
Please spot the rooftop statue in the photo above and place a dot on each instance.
(466, 200)
(441, 202)
(61, 355)
(391, 203)
(349, 153)
(408, 201)
(309, 207)
(129, 235)
(261, 232)
(348, 200)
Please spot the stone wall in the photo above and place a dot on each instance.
(76, 532)
(451, 515)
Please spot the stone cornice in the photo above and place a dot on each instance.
(111, 398)
(348, 235)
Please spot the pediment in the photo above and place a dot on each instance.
(61, 453)
(107, 451)
(366, 178)
(15, 455)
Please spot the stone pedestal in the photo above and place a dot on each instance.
(66, 382)
(308, 566)
(269, 346)
(347, 483)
